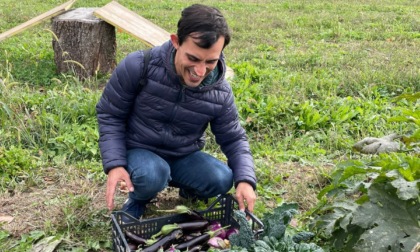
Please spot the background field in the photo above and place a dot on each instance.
(311, 79)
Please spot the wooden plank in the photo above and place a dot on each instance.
(49, 14)
(133, 24)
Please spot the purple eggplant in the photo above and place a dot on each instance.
(181, 209)
(230, 232)
(135, 238)
(218, 243)
(215, 225)
(132, 246)
(185, 226)
(165, 242)
(199, 240)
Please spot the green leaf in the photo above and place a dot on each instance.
(275, 223)
(338, 214)
(48, 244)
(409, 97)
(406, 190)
(388, 220)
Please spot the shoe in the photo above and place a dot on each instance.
(135, 208)
(190, 195)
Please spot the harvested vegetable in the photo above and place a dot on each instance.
(274, 236)
(217, 242)
(186, 226)
(181, 209)
(245, 237)
(135, 238)
(132, 246)
(215, 225)
(165, 242)
(171, 249)
(230, 232)
(199, 240)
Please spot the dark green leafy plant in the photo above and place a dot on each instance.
(15, 163)
(372, 206)
(274, 237)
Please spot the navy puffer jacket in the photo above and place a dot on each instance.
(167, 117)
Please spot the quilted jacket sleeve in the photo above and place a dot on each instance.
(231, 136)
(114, 108)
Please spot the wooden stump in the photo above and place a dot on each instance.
(86, 45)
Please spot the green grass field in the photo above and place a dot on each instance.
(311, 79)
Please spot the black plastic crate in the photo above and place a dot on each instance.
(221, 210)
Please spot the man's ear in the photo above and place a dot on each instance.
(175, 41)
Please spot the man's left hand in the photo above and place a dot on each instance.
(246, 196)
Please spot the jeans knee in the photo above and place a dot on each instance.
(148, 172)
(148, 184)
(218, 185)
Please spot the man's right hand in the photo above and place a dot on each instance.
(114, 176)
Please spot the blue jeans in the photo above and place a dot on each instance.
(198, 172)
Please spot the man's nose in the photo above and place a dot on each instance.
(201, 69)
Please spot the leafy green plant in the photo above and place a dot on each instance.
(410, 115)
(15, 164)
(275, 237)
(24, 244)
(375, 204)
(359, 207)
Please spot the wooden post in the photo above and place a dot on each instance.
(83, 44)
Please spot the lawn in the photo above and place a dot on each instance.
(312, 78)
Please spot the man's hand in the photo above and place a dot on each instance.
(114, 176)
(246, 196)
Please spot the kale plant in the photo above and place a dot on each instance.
(274, 237)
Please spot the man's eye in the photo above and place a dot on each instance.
(212, 62)
(193, 59)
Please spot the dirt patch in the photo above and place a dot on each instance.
(294, 182)
(43, 208)
(38, 208)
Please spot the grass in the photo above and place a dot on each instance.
(311, 79)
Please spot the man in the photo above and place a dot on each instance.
(153, 138)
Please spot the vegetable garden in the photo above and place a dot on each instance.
(312, 78)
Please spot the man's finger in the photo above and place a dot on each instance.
(241, 203)
(250, 206)
(129, 185)
(110, 191)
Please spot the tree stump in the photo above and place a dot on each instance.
(83, 44)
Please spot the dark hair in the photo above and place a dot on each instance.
(204, 23)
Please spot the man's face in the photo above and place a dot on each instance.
(193, 63)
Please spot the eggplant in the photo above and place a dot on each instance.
(181, 209)
(194, 242)
(231, 231)
(193, 225)
(165, 242)
(199, 240)
(135, 238)
(216, 225)
(185, 226)
(218, 243)
(132, 246)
